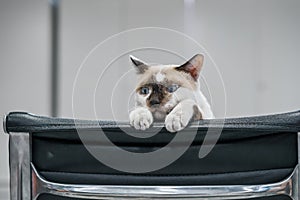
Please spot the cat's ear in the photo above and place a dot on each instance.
(193, 66)
(139, 65)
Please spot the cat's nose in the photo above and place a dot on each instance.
(154, 102)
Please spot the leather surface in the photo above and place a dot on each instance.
(248, 147)
(266, 152)
(24, 122)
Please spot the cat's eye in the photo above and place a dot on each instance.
(144, 90)
(172, 88)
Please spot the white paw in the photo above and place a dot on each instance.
(141, 118)
(176, 121)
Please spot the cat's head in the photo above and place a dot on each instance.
(161, 87)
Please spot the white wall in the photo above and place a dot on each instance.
(24, 67)
(255, 43)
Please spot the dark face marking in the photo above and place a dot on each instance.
(159, 94)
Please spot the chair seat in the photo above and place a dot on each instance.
(254, 158)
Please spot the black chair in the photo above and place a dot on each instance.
(254, 158)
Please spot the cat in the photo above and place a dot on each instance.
(169, 93)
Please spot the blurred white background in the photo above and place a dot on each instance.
(255, 44)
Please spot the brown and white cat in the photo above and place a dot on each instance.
(170, 93)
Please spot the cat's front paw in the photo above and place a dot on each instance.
(141, 118)
(176, 121)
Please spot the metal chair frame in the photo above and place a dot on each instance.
(27, 184)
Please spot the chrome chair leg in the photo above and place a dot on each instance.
(19, 161)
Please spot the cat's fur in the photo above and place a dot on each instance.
(170, 93)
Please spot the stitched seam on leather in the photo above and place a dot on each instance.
(170, 175)
(36, 129)
(113, 125)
